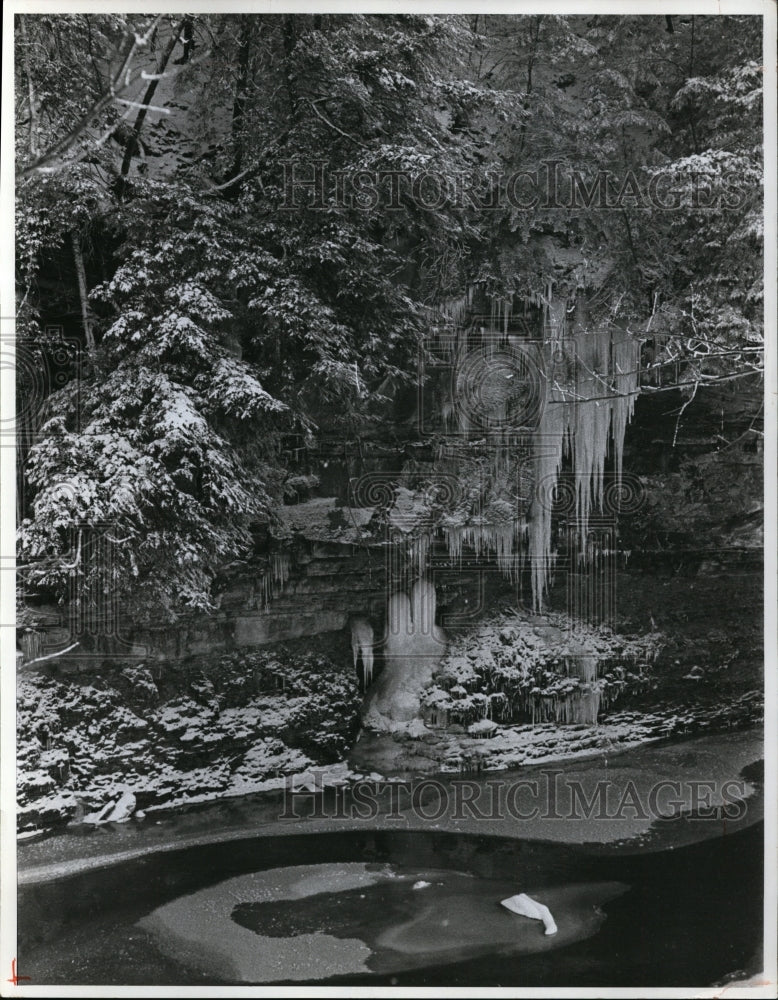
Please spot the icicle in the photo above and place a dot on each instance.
(362, 639)
(455, 309)
(265, 588)
(419, 550)
(547, 460)
(590, 423)
(626, 360)
(411, 630)
(280, 568)
(399, 615)
(423, 607)
(454, 541)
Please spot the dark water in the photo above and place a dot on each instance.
(685, 917)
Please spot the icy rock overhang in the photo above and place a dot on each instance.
(324, 520)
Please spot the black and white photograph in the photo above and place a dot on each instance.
(388, 468)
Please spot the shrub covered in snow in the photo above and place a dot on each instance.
(513, 668)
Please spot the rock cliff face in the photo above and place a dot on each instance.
(182, 714)
(327, 562)
(203, 727)
(324, 564)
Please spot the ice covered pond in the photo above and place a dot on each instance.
(315, 921)
(229, 895)
(405, 907)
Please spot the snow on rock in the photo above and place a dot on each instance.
(269, 757)
(142, 683)
(519, 667)
(484, 727)
(114, 812)
(99, 752)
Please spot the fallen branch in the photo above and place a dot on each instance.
(51, 656)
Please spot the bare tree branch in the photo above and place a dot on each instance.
(51, 656)
(120, 82)
(250, 171)
(680, 412)
(332, 125)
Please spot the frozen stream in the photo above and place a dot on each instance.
(230, 894)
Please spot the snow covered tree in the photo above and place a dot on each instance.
(250, 224)
(230, 316)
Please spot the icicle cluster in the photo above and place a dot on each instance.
(273, 580)
(583, 418)
(411, 631)
(456, 309)
(591, 381)
(500, 539)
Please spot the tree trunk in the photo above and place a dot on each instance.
(289, 32)
(692, 102)
(133, 144)
(30, 88)
(239, 103)
(78, 259)
(528, 90)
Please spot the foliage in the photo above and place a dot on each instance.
(232, 310)
(506, 670)
(325, 718)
